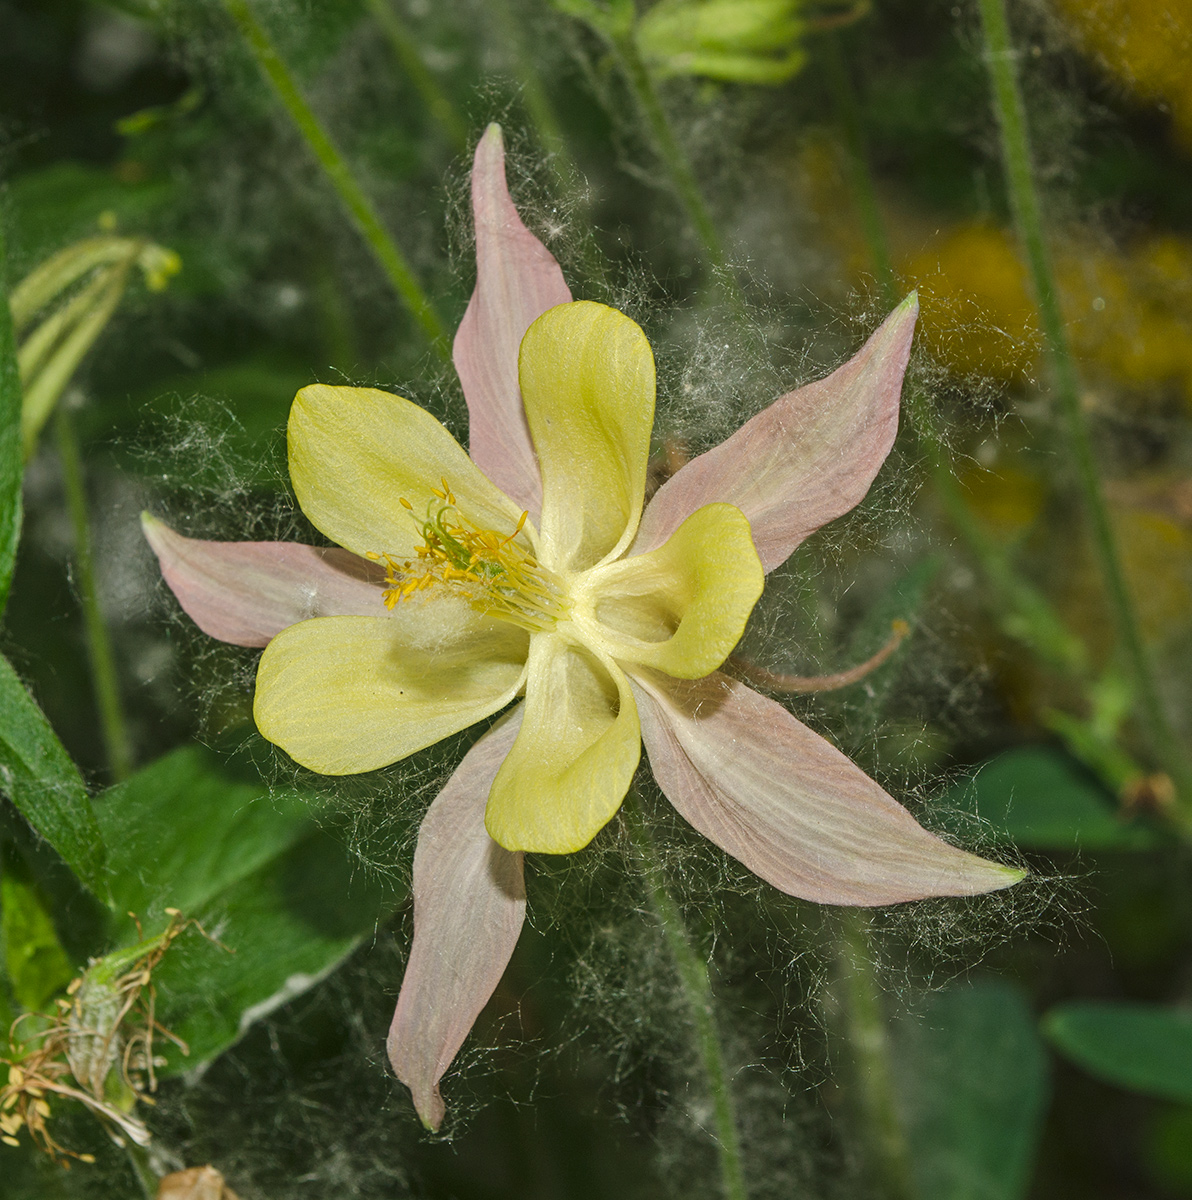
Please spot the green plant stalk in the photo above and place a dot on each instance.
(56, 274)
(857, 164)
(546, 123)
(1026, 613)
(682, 177)
(534, 92)
(38, 345)
(697, 991)
(865, 1025)
(1023, 611)
(148, 1179)
(386, 250)
(1024, 201)
(405, 50)
(104, 678)
(12, 460)
(47, 381)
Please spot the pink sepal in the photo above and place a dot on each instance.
(469, 905)
(248, 592)
(803, 461)
(791, 807)
(517, 280)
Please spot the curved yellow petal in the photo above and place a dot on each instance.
(587, 381)
(683, 607)
(356, 453)
(342, 695)
(574, 756)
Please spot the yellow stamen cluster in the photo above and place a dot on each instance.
(494, 572)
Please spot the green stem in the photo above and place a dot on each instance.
(857, 161)
(387, 252)
(147, 1177)
(405, 50)
(104, 678)
(692, 971)
(682, 177)
(1024, 201)
(534, 93)
(1025, 612)
(12, 459)
(546, 122)
(866, 1030)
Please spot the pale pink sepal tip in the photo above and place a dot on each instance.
(796, 811)
(803, 461)
(469, 905)
(248, 592)
(517, 280)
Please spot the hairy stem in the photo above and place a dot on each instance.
(1025, 613)
(104, 678)
(697, 991)
(405, 50)
(678, 167)
(386, 250)
(534, 94)
(857, 164)
(1024, 200)
(545, 120)
(865, 1025)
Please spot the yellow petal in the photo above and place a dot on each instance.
(355, 453)
(683, 607)
(575, 754)
(342, 695)
(587, 380)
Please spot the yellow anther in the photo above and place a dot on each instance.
(491, 570)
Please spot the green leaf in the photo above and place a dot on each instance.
(1140, 1047)
(1038, 798)
(284, 929)
(186, 832)
(39, 777)
(63, 202)
(973, 1088)
(36, 964)
(184, 829)
(12, 460)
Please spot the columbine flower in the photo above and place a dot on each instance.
(530, 569)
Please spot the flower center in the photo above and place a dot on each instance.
(493, 572)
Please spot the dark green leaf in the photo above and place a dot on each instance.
(36, 964)
(11, 451)
(187, 833)
(1141, 1047)
(38, 776)
(973, 1085)
(1041, 799)
(184, 829)
(284, 928)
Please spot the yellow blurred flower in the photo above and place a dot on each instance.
(1129, 312)
(1145, 44)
